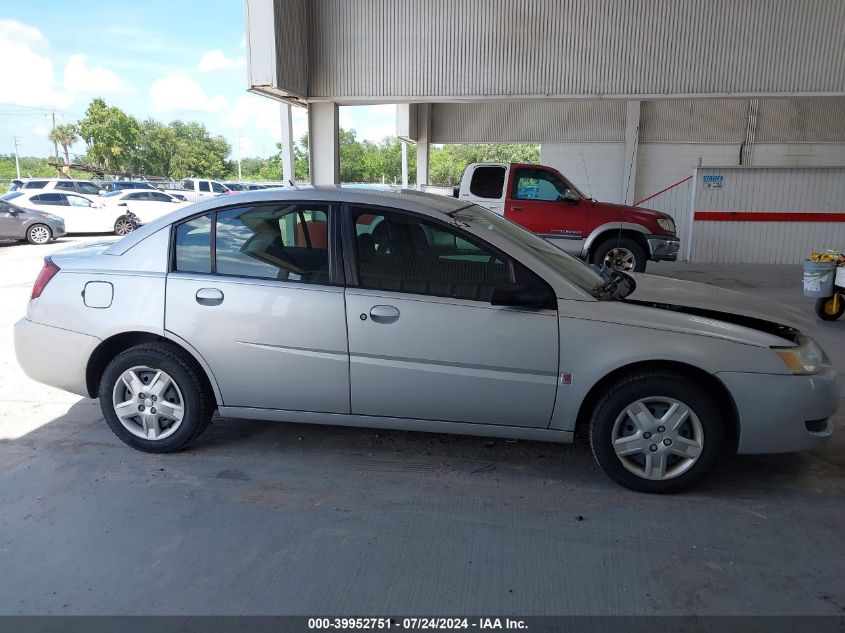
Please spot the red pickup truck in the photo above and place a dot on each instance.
(542, 200)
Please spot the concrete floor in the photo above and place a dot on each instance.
(269, 518)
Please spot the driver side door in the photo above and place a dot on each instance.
(538, 202)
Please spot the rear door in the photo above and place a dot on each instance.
(538, 201)
(424, 340)
(252, 289)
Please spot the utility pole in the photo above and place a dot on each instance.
(56, 145)
(17, 164)
(239, 157)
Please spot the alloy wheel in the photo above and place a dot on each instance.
(657, 438)
(148, 403)
(39, 234)
(123, 226)
(620, 258)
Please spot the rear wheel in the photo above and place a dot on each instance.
(123, 226)
(620, 253)
(39, 234)
(656, 432)
(154, 398)
(831, 308)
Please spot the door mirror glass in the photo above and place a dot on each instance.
(519, 296)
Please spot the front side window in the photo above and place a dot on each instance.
(159, 197)
(537, 184)
(406, 253)
(287, 242)
(88, 187)
(216, 187)
(193, 245)
(78, 201)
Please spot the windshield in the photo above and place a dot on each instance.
(112, 194)
(565, 265)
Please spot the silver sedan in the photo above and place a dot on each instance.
(417, 312)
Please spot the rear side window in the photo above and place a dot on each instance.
(488, 182)
(65, 185)
(35, 184)
(193, 245)
(204, 186)
(216, 187)
(136, 196)
(48, 198)
(287, 242)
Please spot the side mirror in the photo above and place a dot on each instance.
(519, 296)
(571, 196)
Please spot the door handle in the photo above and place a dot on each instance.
(209, 297)
(516, 208)
(384, 314)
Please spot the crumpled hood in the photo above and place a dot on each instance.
(691, 294)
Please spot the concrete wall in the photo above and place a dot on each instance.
(595, 168)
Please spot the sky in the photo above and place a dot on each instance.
(165, 60)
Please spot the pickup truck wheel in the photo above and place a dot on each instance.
(656, 432)
(38, 234)
(620, 253)
(154, 398)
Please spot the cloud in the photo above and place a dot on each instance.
(215, 59)
(242, 43)
(28, 77)
(180, 93)
(257, 111)
(376, 133)
(99, 80)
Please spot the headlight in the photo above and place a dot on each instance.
(56, 218)
(805, 358)
(667, 224)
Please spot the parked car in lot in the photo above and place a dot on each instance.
(196, 189)
(66, 185)
(124, 185)
(417, 312)
(542, 200)
(35, 227)
(81, 214)
(145, 205)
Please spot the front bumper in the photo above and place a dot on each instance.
(54, 356)
(663, 247)
(777, 412)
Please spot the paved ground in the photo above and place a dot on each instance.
(262, 518)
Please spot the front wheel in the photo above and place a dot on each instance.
(656, 432)
(831, 308)
(620, 253)
(39, 234)
(123, 226)
(154, 398)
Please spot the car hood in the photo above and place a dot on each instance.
(714, 302)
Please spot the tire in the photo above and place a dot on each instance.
(39, 234)
(123, 226)
(614, 250)
(824, 307)
(154, 432)
(611, 426)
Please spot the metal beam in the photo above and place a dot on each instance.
(323, 143)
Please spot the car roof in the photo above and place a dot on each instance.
(404, 199)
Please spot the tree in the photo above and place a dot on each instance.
(65, 135)
(111, 135)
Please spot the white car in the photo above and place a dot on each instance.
(64, 185)
(147, 205)
(82, 214)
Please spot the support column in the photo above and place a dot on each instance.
(632, 139)
(423, 144)
(323, 143)
(404, 164)
(288, 167)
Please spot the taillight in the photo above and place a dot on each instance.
(47, 273)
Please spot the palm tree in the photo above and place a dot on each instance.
(65, 135)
